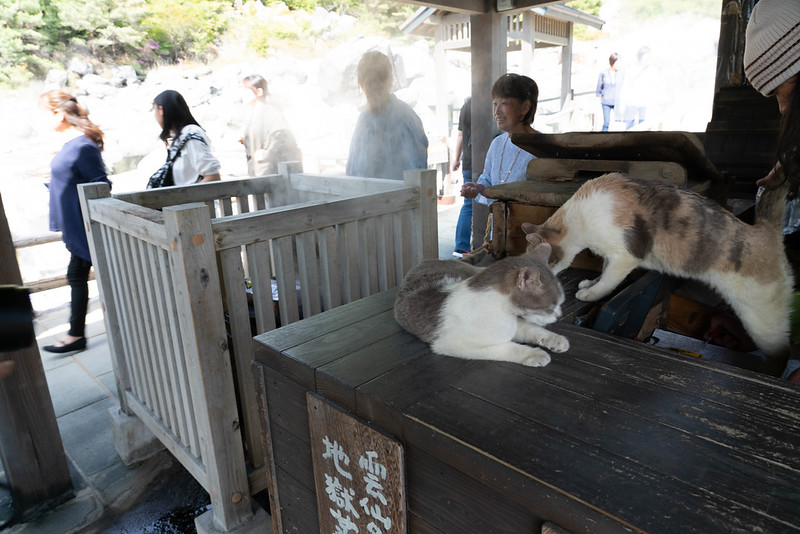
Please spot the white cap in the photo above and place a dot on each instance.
(772, 44)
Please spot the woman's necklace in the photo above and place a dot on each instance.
(504, 179)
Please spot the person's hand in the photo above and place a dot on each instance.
(471, 190)
(763, 181)
(455, 165)
(794, 377)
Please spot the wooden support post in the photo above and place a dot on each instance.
(488, 44)
(427, 227)
(30, 443)
(198, 296)
(566, 68)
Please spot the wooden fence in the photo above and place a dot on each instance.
(188, 275)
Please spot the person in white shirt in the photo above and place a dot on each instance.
(180, 131)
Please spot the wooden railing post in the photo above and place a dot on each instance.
(30, 444)
(201, 317)
(426, 227)
(100, 261)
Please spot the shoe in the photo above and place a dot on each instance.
(78, 344)
(460, 253)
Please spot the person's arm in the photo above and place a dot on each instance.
(599, 90)
(198, 155)
(457, 152)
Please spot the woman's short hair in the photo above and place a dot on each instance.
(176, 113)
(613, 58)
(255, 82)
(520, 87)
(375, 73)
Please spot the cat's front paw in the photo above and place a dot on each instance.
(556, 343)
(535, 358)
(585, 284)
(588, 295)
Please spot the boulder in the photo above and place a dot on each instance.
(56, 78)
(80, 67)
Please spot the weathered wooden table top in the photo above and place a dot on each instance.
(627, 436)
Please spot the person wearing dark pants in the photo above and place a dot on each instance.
(463, 158)
(78, 162)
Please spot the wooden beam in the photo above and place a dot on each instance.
(30, 444)
(470, 7)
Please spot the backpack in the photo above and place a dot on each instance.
(163, 176)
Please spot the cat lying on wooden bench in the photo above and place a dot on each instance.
(486, 313)
(637, 223)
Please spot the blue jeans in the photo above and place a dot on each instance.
(464, 224)
(606, 116)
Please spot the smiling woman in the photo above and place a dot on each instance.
(514, 99)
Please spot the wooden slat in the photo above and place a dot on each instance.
(140, 222)
(308, 273)
(349, 262)
(548, 457)
(368, 257)
(242, 337)
(289, 220)
(206, 192)
(154, 332)
(179, 363)
(330, 277)
(162, 335)
(261, 283)
(124, 296)
(286, 274)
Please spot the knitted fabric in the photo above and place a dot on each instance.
(772, 44)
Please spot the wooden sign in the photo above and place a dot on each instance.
(359, 473)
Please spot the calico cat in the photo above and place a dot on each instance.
(636, 223)
(487, 313)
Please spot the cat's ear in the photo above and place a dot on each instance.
(528, 277)
(541, 251)
(529, 228)
(533, 239)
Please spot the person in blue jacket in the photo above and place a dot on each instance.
(389, 137)
(78, 162)
(606, 89)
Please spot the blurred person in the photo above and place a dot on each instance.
(266, 137)
(772, 65)
(189, 157)
(606, 89)
(463, 159)
(389, 137)
(514, 100)
(78, 162)
(640, 88)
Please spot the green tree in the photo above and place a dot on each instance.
(107, 27)
(185, 28)
(20, 40)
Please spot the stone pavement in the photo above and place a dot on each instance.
(155, 496)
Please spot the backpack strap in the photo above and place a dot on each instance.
(182, 140)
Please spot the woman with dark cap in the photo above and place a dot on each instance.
(772, 64)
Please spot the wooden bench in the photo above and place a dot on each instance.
(612, 436)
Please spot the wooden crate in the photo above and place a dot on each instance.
(612, 436)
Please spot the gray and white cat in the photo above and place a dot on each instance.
(489, 313)
(637, 223)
